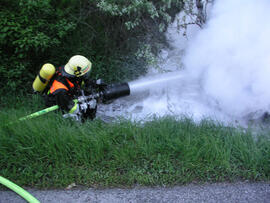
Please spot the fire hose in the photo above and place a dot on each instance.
(20, 191)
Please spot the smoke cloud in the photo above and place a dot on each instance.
(221, 72)
(231, 56)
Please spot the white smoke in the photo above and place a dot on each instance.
(226, 68)
(231, 56)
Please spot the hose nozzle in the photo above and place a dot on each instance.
(115, 91)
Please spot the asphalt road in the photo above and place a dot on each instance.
(219, 192)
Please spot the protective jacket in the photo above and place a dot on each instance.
(62, 91)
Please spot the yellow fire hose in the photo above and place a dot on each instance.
(20, 191)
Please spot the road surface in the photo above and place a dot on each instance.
(218, 192)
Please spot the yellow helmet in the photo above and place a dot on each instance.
(77, 66)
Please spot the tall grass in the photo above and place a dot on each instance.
(52, 152)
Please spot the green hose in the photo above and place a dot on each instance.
(27, 196)
(39, 113)
(33, 115)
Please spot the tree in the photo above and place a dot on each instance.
(29, 29)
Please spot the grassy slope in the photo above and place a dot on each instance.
(50, 152)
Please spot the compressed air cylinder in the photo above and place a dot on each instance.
(44, 76)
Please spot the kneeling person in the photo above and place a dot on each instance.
(66, 85)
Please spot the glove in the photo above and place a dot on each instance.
(80, 110)
(74, 112)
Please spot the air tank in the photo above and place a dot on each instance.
(44, 76)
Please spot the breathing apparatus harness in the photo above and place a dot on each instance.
(71, 84)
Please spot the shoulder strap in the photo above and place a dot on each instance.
(57, 72)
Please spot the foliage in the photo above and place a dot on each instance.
(29, 30)
(33, 32)
(118, 30)
(137, 9)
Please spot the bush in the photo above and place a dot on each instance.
(34, 32)
(29, 30)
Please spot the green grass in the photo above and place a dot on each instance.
(51, 152)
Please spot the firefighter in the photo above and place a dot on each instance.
(66, 85)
